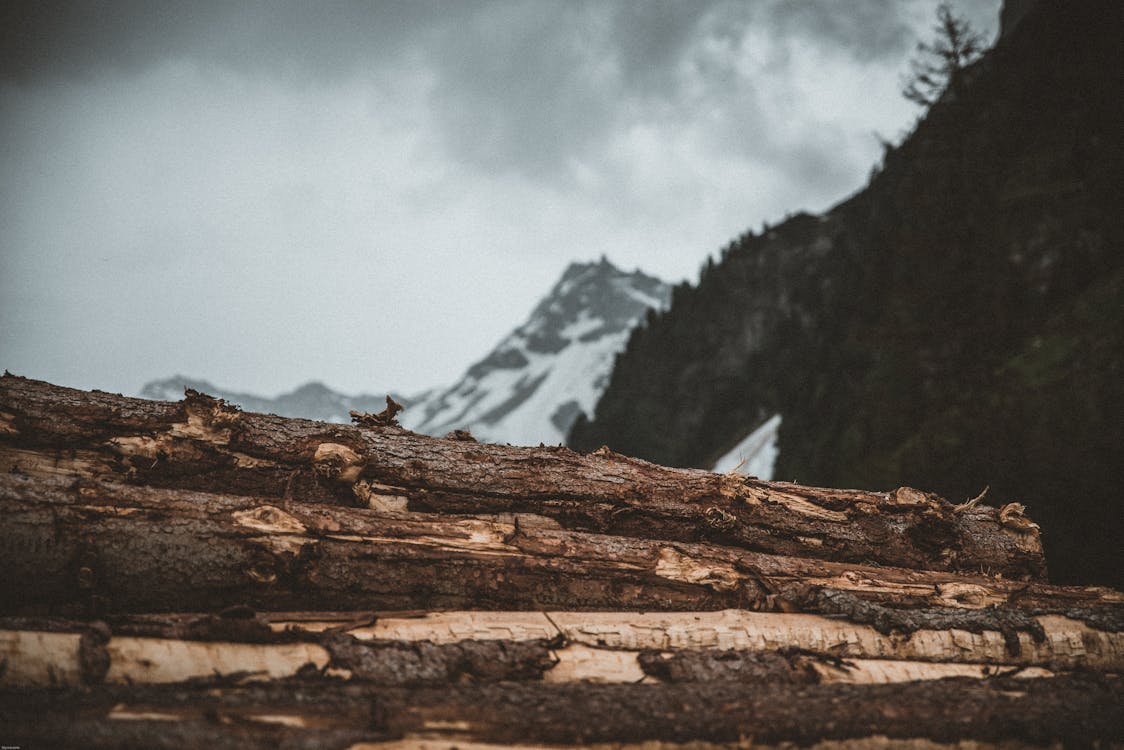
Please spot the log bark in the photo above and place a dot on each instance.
(37, 658)
(556, 647)
(75, 655)
(92, 548)
(320, 713)
(204, 444)
(1068, 643)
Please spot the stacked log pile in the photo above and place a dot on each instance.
(190, 575)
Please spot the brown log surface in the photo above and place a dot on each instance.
(203, 444)
(93, 547)
(1079, 711)
(392, 649)
(99, 549)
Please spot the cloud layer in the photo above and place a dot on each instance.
(372, 194)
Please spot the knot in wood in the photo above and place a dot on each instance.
(337, 463)
(720, 519)
(262, 572)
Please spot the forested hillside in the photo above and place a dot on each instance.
(958, 324)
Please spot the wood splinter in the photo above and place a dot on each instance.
(385, 418)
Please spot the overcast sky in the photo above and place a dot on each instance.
(372, 194)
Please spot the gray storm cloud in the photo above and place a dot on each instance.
(519, 85)
(55, 38)
(373, 193)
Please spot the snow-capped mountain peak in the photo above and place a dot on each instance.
(531, 387)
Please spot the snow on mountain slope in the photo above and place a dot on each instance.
(309, 401)
(756, 454)
(533, 385)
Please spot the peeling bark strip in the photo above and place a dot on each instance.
(203, 444)
(322, 714)
(587, 645)
(56, 659)
(793, 667)
(94, 548)
(422, 663)
(46, 659)
(797, 668)
(1068, 643)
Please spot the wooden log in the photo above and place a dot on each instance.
(203, 444)
(875, 742)
(91, 548)
(42, 659)
(97, 549)
(558, 647)
(1068, 643)
(62, 659)
(321, 713)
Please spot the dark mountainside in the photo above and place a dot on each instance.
(957, 324)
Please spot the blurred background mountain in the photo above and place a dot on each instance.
(958, 324)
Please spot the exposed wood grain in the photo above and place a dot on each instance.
(563, 647)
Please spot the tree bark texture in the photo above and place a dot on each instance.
(203, 444)
(318, 712)
(453, 647)
(89, 548)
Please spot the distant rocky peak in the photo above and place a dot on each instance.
(590, 300)
(536, 381)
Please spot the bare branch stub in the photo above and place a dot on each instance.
(385, 418)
